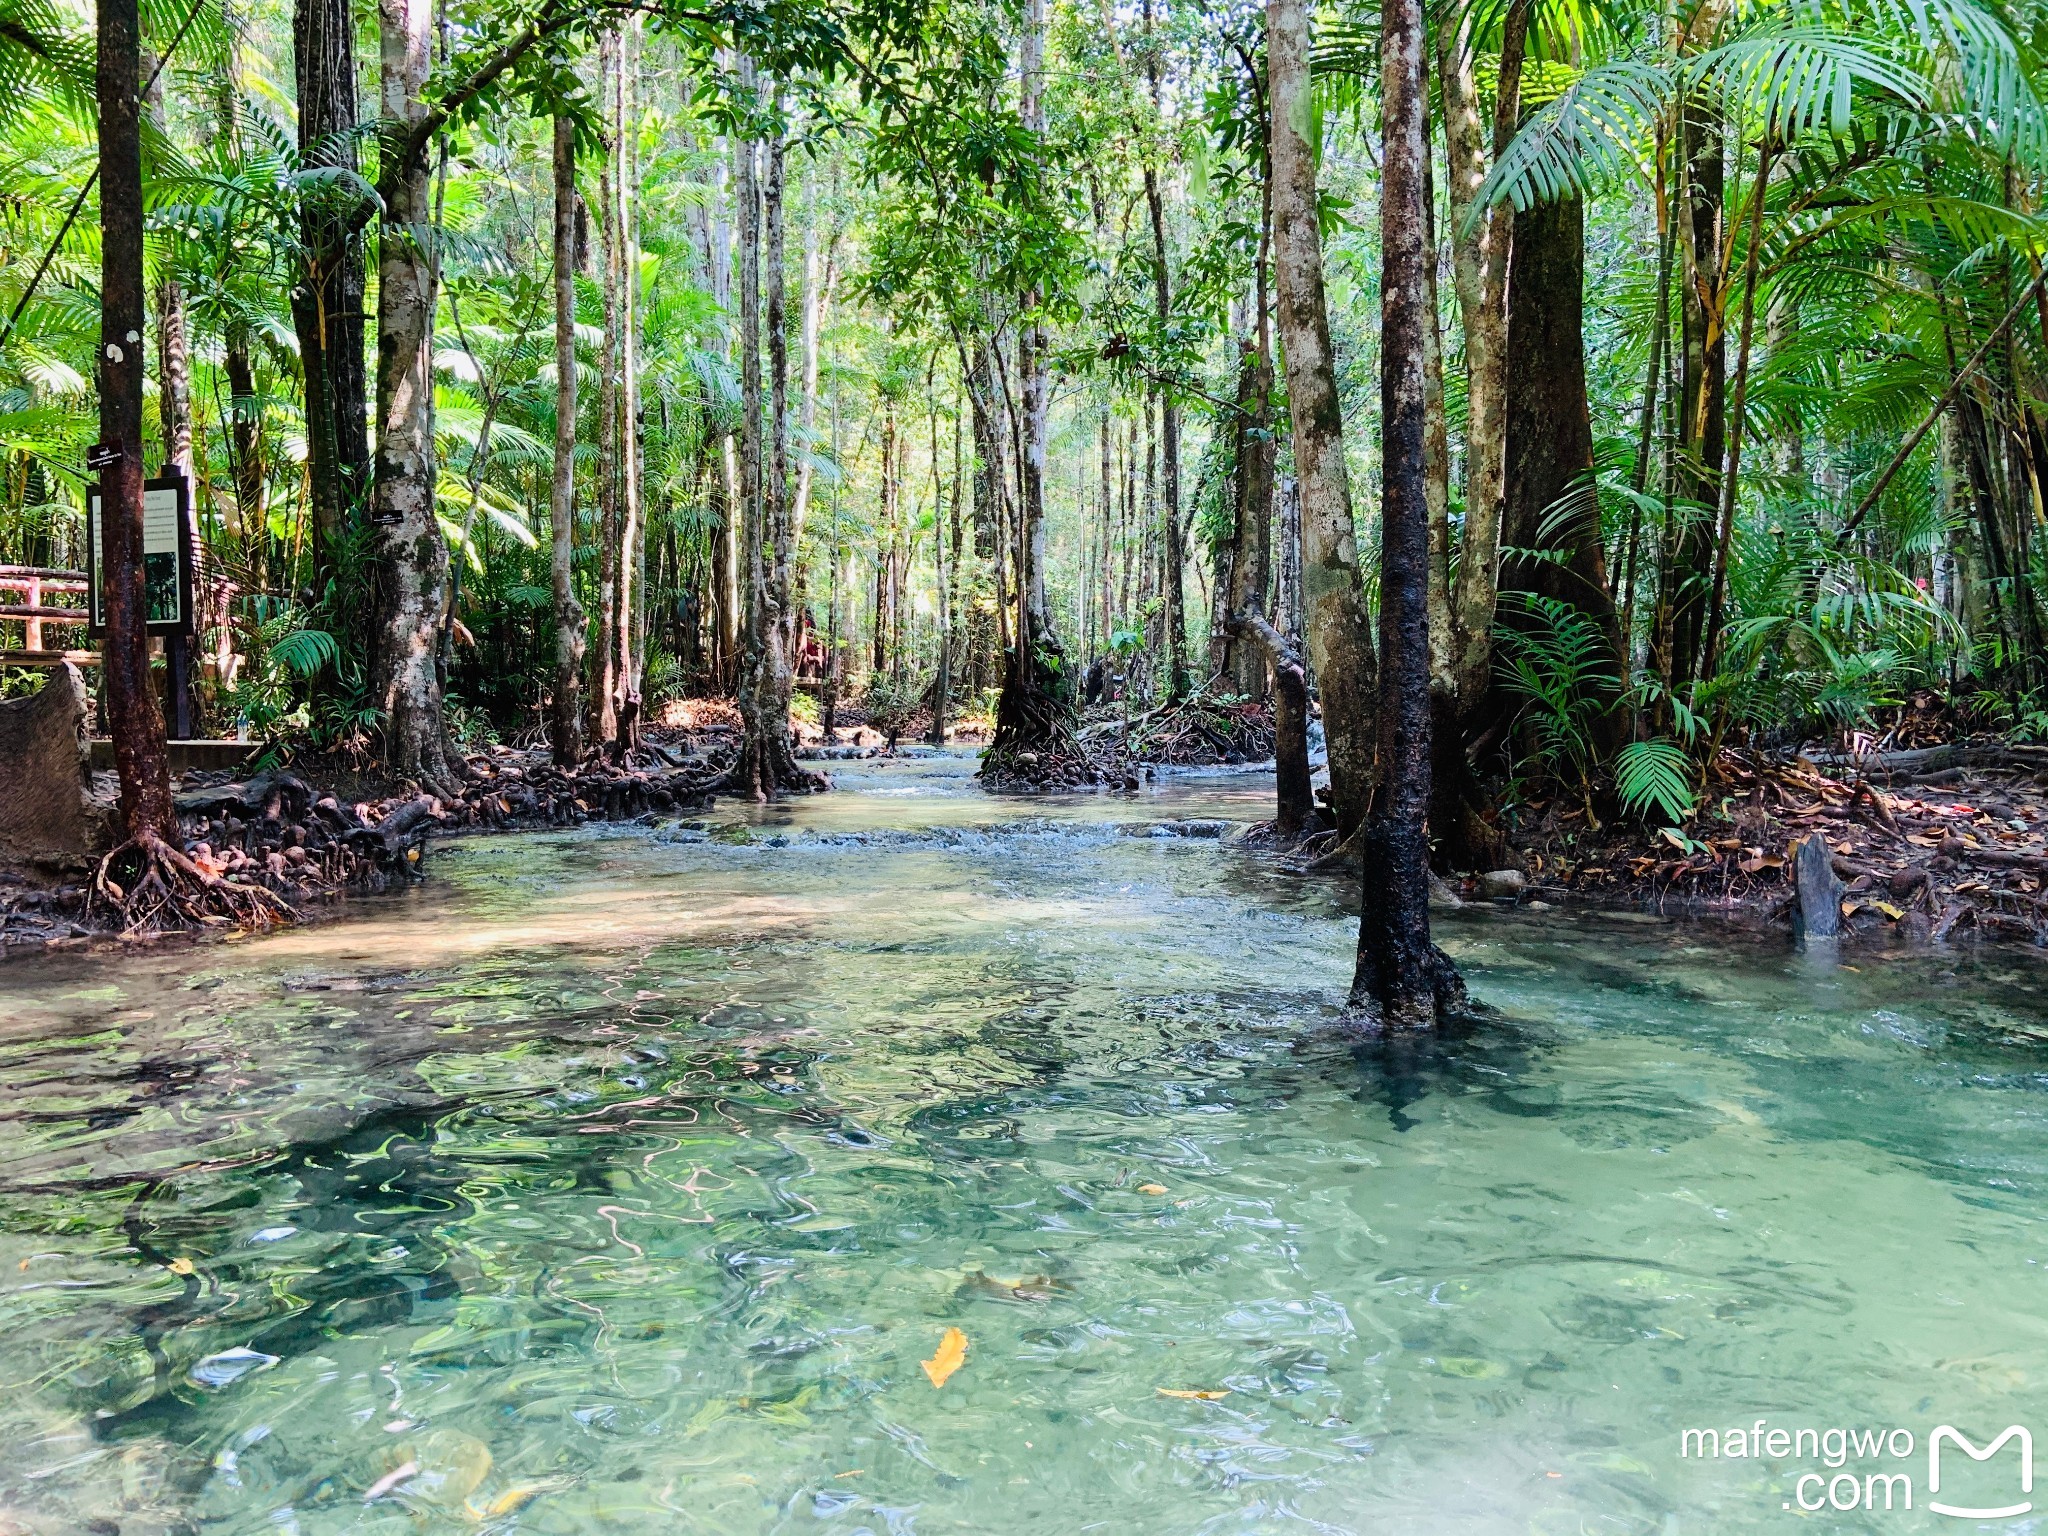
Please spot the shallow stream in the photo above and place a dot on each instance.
(620, 1180)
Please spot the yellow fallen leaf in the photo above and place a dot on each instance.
(179, 1266)
(1888, 910)
(1198, 1394)
(1151, 1189)
(513, 1498)
(951, 1355)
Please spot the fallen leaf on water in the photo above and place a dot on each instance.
(1198, 1394)
(1151, 1189)
(179, 1266)
(856, 1472)
(951, 1355)
(513, 1498)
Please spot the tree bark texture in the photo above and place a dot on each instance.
(1339, 632)
(134, 720)
(411, 552)
(1702, 395)
(1402, 980)
(1249, 556)
(1551, 505)
(327, 301)
(569, 634)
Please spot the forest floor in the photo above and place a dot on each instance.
(1929, 843)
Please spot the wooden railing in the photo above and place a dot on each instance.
(34, 583)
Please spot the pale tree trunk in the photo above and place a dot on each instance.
(569, 640)
(412, 555)
(818, 286)
(1339, 629)
(604, 693)
(1403, 981)
(723, 463)
(1479, 264)
(1243, 585)
(625, 662)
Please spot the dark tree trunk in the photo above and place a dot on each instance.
(246, 427)
(1688, 571)
(134, 721)
(1550, 502)
(1403, 982)
(1246, 578)
(327, 301)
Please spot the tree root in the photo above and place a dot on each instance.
(154, 886)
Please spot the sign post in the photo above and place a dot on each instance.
(167, 582)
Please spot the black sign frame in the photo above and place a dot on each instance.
(185, 622)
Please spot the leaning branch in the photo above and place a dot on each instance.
(1947, 400)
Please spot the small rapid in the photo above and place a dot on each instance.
(624, 1178)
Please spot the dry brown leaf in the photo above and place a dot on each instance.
(1197, 1394)
(951, 1355)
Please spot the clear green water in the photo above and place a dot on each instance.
(621, 1183)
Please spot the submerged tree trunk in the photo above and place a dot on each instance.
(569, 641)
(1403, 981)
(134, 721)
(412, 555)
(327, 299)
(1340, 645)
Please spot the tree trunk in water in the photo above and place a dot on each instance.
(412, 555)
(569, 641)
(767, 765)
(1702, 397)
(1403, 981)
(1339, 636)
(134, 721)
(1036, 694)
(1551, 504)
(327, 301)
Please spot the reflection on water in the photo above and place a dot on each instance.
(620, 1181)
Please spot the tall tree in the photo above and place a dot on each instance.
(1339, 628)
(767, 765)
(569, 635)
(133, 719)
(411, 552)
(327, 299)
(1403, 980)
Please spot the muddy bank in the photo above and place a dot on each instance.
(317, 829)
